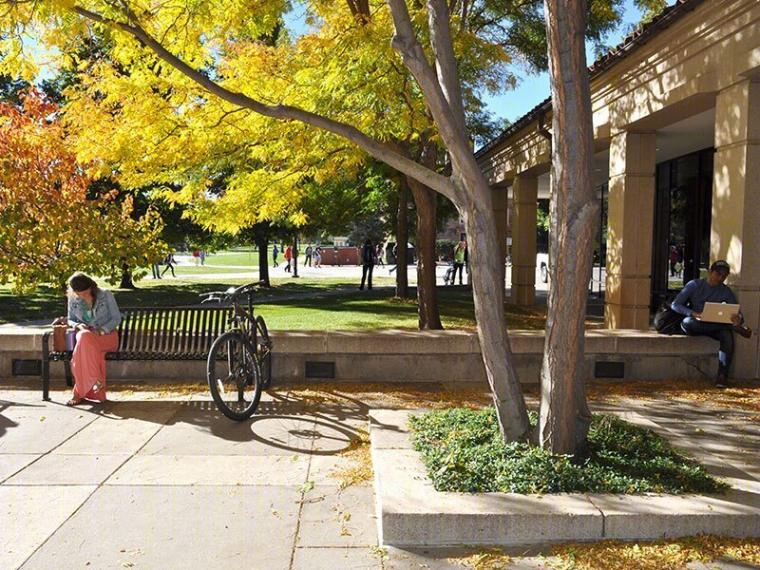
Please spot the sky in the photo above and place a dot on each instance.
(533, 89)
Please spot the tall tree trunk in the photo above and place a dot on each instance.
(262, 243)
(488, 295)
(126, 277)
(427, 293)
(402, 237)
(564, 414)
(294, 269)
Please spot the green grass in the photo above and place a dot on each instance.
(463, 451)
(290, 304)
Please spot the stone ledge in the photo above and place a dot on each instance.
(15, 338)
(412, 513)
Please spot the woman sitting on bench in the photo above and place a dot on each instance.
(94, 315)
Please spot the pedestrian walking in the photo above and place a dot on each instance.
(460, 256)
(156, 270)
(318, 257)
(169, 262)
(308, 254)
(368, 263)
(275, 253)
(288, 256)
(379, 255)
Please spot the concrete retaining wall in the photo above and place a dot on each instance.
(414, 356)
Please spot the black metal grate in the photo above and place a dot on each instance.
(320, 370)
(609, 369)
(23, 367)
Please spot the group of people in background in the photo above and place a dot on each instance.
(311, 255)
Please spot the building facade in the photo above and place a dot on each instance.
(676, 114)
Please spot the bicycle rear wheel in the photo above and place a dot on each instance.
(233, 376)
(264, 352)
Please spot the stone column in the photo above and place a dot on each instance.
(525, 204)
(499, 205)
(735, 231)
(629, 231)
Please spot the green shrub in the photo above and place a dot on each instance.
(463, 451)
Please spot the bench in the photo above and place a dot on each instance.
(156, 333)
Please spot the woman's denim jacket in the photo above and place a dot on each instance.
(106, 315)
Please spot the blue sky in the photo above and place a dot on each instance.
(533, 89)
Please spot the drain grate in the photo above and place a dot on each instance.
(320, 369)
(23, 367)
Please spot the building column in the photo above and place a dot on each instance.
(735, 230)
(499, 205)
(629, 231)
(525, 204)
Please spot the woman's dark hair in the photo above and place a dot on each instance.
(79, 282)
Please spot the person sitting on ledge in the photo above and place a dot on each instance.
(691, 301)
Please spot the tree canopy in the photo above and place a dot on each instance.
(48, 226)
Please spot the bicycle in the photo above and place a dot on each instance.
(239, 363)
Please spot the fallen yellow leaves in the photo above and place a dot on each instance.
(672, 554)
(360, 471)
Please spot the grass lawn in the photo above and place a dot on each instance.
(302, 304)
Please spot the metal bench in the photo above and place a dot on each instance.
(157, 333)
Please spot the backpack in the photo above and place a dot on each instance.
(666, 320)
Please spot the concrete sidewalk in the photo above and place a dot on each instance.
(157, 483)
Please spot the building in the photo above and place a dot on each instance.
(676, 113)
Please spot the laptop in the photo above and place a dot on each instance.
(719, 312)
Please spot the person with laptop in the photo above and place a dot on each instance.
(700, 302)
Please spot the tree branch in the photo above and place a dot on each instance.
(372, 147)
(445, 60)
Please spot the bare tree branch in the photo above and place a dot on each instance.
(375, 148)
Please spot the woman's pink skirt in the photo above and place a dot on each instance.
(88, 363)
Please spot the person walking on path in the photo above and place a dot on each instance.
(275, 253)
(379, 255)
(460, 254)
(308, 253)
(288, 256)
(368, 264)
(318, 257)
(156, 270)
(169, 262)
(691, 301)
(93, 313)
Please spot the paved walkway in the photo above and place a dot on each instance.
(165, 482)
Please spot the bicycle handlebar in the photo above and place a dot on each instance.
(231, 294)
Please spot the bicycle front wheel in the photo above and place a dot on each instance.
(264, 352)
(233, 376)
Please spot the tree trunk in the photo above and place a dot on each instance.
(488, 295)
(126, 278)
(262, 243)
(427, 293)
(564, 414)
(295, 256)
(402, 237)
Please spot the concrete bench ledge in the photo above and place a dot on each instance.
(416, 356)
(395, 341)
(411, 513)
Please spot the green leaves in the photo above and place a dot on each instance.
(463, 451)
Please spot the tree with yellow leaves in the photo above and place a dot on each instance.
(181, 59)
(48, 226)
